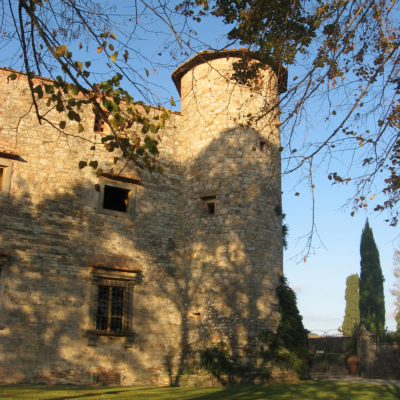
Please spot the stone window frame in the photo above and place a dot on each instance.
(106, 276)
(6, 179)
(132, 191)
(207, 202)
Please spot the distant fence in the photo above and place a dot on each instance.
(375, 358)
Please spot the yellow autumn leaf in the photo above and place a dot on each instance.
(60, 50)
(114, 56)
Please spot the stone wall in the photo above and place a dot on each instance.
(199, 278)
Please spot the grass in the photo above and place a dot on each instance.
(313, 390)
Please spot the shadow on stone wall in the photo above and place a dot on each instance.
(219, 273)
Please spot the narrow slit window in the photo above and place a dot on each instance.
(115, 198)
(98, 124)
(263, 146)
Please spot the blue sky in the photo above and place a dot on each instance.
(320, 281)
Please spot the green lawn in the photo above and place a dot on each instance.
(300, 391)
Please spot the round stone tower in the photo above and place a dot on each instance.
(232, 226)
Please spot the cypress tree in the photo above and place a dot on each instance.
(372, 300)
(352, 312)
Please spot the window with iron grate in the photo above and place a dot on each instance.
(113, 306)
(110, 308)
(98, 124)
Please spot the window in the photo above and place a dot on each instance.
(113, 306)
(262, 146)
(98, 124)
(107, 378)
(111, 301)
(209, 205)
(117, 198)
(5, 175)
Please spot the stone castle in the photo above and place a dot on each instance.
(126, 278)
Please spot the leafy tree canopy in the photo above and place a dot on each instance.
(372, 299)
(352, 312)
(90, 50)
(346, 53)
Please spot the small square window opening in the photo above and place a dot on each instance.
(115, 198)
(209, 205)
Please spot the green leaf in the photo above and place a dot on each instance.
(39, 90)
(147, 72)
(82, 164)
(126, 56)
(111, 46)
(87, 64)
(62, 124)
(112, 35)
(173, 101)
(107, 138)
(80, 128)
(49, 89)
(71, 115)
(74, 89)
(94, 164)
(114, 56)
(59, 107)
(12, 76)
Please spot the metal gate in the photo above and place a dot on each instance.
(328, 354)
